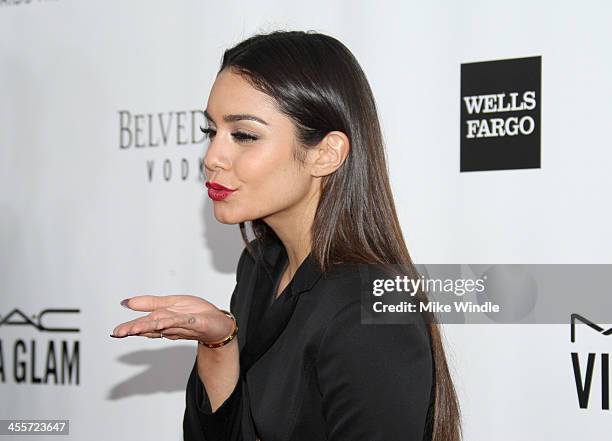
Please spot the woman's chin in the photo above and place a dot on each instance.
(227, 220)
(225, 217)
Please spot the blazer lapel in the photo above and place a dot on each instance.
(267, 321)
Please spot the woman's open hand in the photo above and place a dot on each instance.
(178, 317)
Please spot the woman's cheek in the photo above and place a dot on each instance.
(252, 169)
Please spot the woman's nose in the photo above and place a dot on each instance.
(216, 157)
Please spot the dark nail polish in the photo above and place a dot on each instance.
(124, 303)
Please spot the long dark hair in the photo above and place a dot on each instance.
(316, 82)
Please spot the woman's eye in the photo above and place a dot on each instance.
(239, 136)
(210, 133)
(244, 137)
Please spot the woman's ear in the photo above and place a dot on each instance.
(329, 154)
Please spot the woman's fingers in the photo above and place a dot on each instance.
(150, 303)
(158, 319)
(172, 334)
(124, 328)
(129, 327)
(147, 324)
(186, 316)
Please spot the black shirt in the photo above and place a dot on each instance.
(309, 369)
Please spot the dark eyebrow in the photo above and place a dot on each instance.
(238, 117)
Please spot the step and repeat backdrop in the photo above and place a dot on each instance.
(496, 117)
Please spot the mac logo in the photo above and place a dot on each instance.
(19, 318)
(39, 360)
(575, 317)
(584, 382)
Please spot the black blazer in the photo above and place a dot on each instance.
(309, 369)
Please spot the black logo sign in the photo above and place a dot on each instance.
(500, 114)
(584, 375)
(590, 324)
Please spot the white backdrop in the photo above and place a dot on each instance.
(82, 224)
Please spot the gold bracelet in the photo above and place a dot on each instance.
(227, 339)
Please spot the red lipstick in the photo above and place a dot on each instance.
(218, 192)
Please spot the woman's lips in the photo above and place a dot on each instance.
(218, 192)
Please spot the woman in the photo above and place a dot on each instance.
(296, 150)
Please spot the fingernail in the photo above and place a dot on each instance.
(124, 303)
(116, 336)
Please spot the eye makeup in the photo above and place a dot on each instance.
(237, 135)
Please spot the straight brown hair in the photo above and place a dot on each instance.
(317, 82)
